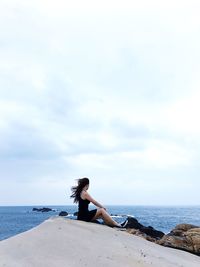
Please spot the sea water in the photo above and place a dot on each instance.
(15, 220)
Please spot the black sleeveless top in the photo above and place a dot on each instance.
(83, 213)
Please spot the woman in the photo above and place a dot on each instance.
(82, 197)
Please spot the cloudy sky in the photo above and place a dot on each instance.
(108, 90)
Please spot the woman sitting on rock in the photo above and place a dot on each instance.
(82, 197)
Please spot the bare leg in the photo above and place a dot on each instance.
(101, 213)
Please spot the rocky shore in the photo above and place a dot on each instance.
(184, 236)
(63, 242)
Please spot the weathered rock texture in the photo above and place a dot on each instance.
(183, 236)
(149, 233)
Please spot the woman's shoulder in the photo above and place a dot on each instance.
(83, 194)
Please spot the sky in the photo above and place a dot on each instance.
(108, 90)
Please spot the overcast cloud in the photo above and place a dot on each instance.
(109, 90)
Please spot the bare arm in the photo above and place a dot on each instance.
(87, 196)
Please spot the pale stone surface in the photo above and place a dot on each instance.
(60, 242)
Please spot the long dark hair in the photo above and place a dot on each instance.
(76, 190)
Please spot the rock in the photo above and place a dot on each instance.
(76, 213)
(42, 209)
(185, 237)
(63, 213)
(35, 209)
(148, 233)
(141, 234)
(133, 223)
(185, 227)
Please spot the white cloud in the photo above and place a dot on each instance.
(183, 115)
(103, 89)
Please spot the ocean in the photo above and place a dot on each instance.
(15, 220)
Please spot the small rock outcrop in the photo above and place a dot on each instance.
(147, 232)
(63, 213)
(76, 213)
(42, 209)
(133, 223)
(183, 236)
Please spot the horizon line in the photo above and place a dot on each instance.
(134, 205)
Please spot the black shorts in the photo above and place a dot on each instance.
(87, 216)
